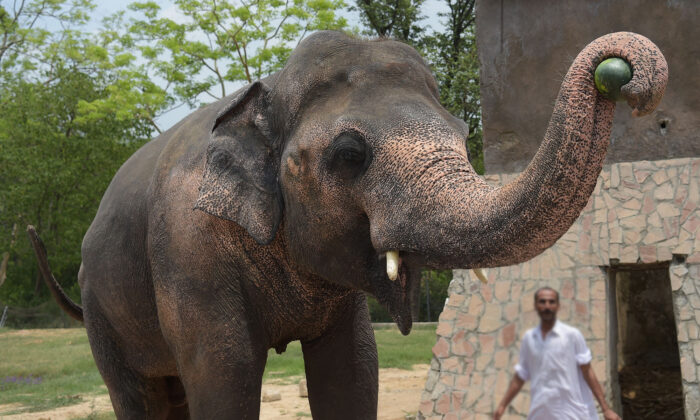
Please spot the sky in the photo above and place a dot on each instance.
(430, 10)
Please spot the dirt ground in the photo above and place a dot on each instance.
(399, 394)
(652, 392)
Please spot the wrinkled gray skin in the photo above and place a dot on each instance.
(262, 218)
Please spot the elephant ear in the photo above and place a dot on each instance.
(240, 175)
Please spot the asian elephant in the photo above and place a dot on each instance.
(263, 218)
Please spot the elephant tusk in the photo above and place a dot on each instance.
(392, 265)
(480, 274)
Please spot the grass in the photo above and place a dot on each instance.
(394, 350)
(398, 351)
(45, 369)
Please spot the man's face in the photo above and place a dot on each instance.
(547, 305)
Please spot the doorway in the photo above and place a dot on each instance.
(645, 364)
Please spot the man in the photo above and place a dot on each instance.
(554, 356)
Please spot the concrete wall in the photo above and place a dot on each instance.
(526, 47)
(640, 212)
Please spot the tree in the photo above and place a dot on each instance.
(23, 28)
(54, 164)
(453, 56)
(215, 44)
(433, 292)
(396, 19)
(54, 172)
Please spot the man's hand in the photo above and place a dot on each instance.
(499, 412)
(609, 414)
(515, 385)
(592, 381)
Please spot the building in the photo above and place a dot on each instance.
(628, 270)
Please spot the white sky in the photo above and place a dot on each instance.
(430, 9)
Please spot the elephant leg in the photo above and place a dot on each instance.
(221, 368)
(179, 410)
(221, 385)
(342, 368)
(133, 395)
(137, 397)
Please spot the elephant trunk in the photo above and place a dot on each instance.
(475, 225)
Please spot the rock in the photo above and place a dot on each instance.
(303, 391)
(269, 396)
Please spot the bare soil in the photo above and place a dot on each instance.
(399, 395)
(89, 406)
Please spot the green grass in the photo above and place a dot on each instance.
(394, 349)
(44, 369)
(398, 351)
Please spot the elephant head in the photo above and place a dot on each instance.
(346, 155)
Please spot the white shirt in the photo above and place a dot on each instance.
(558, 390)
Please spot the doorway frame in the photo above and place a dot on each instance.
(612, 318)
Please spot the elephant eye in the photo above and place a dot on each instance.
(349, 155)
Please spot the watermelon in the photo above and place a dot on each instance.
(610, 76)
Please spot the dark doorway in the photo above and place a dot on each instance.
(646, 365)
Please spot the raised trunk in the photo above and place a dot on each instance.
(481, 226)
(522, 219)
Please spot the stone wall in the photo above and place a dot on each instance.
(685, 283)
(639, 212)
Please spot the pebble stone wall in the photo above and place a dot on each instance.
(640, 212)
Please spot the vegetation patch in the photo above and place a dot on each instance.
(43, 369)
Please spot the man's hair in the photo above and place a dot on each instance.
(546, 288)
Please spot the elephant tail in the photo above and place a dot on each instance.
(71, 308)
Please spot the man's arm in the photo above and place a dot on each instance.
(592, 381)
(515, 386)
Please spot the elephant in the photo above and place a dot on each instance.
(265, 217)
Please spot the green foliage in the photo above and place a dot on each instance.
(396, 19)
(377, 311)
(54, 163)
(24, 34)
(431, 297)
(196, 58)
(453, 56)
(54, 169)
(45, 315)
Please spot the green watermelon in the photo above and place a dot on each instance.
(610, 76)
